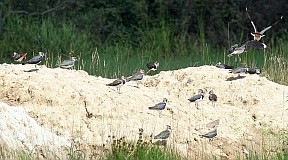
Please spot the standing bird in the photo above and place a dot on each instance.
(137, 77)
(212, 97)
(69, 63)
(36, 60)
(159, 106)
(235, 50)
(152, 66)
(118, 83)
(164, 134)
(210, 134)
(19, 57)
(258, 35)
(197, 98)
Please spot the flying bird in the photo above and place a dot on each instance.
(19, 57)
(118, 83)
(235, 50)
(36, 60)
(258, 35)
(152, 66)
(197, 98)
(164, 134)
(256, 44)
(212, 97)
(69, 63)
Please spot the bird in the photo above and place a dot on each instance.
(136, 77)
(256, 44)
(212, 97)
(224, 66)
(152, 66)
(69, 63)
(235, 50)
(253, 71)
(164, 134)
(118, 83)
(19, 57)
(238, 70)
(197, 98)
(213, 124)
(210, 134)
(159, 106)
(258, 35)
(36, 60)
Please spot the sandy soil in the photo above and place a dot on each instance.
(59, 100)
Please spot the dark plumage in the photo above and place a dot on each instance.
(210, 134)
(253, 71)
(36, 60)
(164, 134)
(197, 98)
(224, 66)
(159, 106)
(212, 97)
(256, 44)
(152, 66)
(117, 83)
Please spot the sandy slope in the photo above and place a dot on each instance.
(58, 99)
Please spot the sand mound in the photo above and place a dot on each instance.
(60, 99)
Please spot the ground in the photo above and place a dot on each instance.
(79, 107)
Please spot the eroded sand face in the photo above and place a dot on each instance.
(58, 99)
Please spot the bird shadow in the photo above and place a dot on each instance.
(32, 70)
(235, 78)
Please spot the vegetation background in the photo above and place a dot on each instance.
(115, 37)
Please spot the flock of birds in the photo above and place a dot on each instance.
(153, 66)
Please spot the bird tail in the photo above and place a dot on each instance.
(152, 108)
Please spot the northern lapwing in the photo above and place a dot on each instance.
(159, 106)
(235, 50)
(137, 77)
(258, 35)
(256, 44)
(152, 66)
(19, 57)
(69, 63)
(36, 60)
(197, 98)
(212, 97)
(210, 134)
(224, 66)
(164, 134)
(253, 71)
(238, 70)
(118, 83)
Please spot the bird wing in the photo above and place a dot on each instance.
(163, 135)
(115, 83)
(136, 77)
(265, 29)
(35, 59)
(248, 15)
(67, 63)
(159, 106)
(194, 98)
(256, 44)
